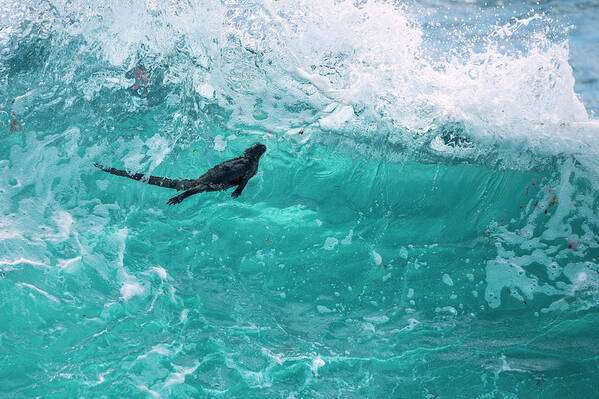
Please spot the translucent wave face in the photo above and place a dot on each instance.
(359, 77)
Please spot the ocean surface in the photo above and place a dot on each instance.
(424, 224)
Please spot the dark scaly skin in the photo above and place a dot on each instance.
(231, 173)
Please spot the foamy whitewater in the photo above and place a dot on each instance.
(424, 223)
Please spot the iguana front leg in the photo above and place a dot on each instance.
(240, 187)
(179, 198)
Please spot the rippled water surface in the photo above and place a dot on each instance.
(424, 224)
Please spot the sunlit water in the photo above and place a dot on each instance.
(432, 232)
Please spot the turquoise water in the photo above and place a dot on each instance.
(432, 233)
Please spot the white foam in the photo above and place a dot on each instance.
(317, 363)
(220, 144)
(559, 305)
(447, 280)
(412, 323)
(205, 89)
(323, 309)
(446, 309)
(148, 390)
(382, 319)
(362, 69)
(44, 293)
(178, 377)
(159, 349)
(376, 257)
(22, 260)
(330, 243)
(403, 253)
(64, 223)
(160, 271)
(67, 263)
(503, 273)
(337, 118)
(130, 288)
(348, 239)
